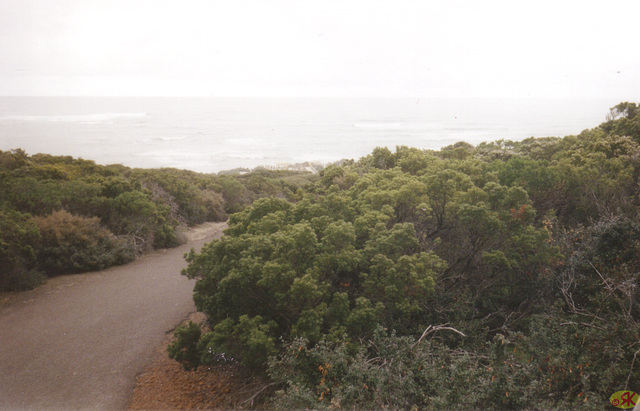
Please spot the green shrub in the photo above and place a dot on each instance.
(394, 372)
(17, 256)
(72, 244)
(185, 348)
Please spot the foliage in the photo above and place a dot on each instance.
(17, 255)
(393, 372)
(94, 216)
(184, 348)
(500, 276)
(623, 120)
(72, 244)
(309, 270)
(524, 252)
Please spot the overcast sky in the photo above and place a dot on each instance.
(418, 48)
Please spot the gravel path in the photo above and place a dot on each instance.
(79, 341)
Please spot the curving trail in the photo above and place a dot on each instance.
(79, 341)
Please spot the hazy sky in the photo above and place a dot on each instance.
(418, 48)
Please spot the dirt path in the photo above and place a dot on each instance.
(79, 341)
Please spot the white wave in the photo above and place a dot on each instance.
(96, 118)
(163, 139)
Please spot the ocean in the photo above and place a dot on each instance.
(216, 134)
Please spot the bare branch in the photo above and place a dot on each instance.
(626, 385)
(609, 288)
(581, 323)
(253, 397)
(626, 288)
(432, 329)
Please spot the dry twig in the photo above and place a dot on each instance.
(432, 329)
(626, 385)
(253, 397)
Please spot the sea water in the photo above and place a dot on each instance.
(215, 134)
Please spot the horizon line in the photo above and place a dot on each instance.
(474, 97)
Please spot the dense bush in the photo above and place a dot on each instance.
(185, 347)
(72, 244)
(502, 276)
(112, 212)
(18, 236)
(392, 372)
(310, 270)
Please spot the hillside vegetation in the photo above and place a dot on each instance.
(60, 215)
(498, 276)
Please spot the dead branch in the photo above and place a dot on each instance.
(626, 385)
(626, 288)
(432, 329)
(580, 323)
(253, 397)
(609, 287)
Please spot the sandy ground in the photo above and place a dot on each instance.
(165, 385)
(79, 342)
